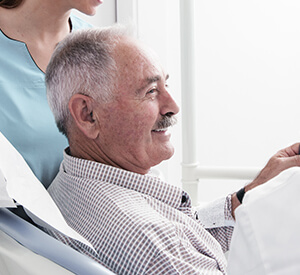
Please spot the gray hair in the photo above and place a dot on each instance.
(82, 63)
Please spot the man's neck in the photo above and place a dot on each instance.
(90, 151)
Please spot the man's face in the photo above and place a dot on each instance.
(132, 136)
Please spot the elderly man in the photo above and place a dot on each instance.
(110, 97)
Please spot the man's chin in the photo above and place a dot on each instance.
(166, 153)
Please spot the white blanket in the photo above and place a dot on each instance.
(266, 237)
(17, 182)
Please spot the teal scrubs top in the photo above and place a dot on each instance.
(25, 117)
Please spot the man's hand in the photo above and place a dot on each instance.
(282, 160)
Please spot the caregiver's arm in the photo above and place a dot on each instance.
(282, 160)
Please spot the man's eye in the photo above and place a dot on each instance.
(152, 91)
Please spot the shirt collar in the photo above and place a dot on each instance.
(145, 184)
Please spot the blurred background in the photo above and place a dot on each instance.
(248, 77)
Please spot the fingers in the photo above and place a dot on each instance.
(289, 151)
(282, 160)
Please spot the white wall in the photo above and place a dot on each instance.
(249, 70)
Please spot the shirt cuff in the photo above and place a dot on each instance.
(216, 213)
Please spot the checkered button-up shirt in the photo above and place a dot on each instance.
(136, 223)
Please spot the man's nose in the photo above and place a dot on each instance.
(168, 106)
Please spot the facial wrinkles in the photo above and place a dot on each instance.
(113, 147)
(139, 65)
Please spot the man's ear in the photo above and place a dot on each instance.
(81, 109)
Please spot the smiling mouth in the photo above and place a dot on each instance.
(163, 125)
(160, 130)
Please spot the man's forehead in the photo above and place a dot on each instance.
(138, 65)
(131, 51)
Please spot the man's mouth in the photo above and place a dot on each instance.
(164, 124)
(160, 130)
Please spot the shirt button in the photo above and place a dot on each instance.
(183, 199)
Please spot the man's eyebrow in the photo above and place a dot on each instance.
(150, 80)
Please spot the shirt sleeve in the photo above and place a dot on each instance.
(217, 218)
